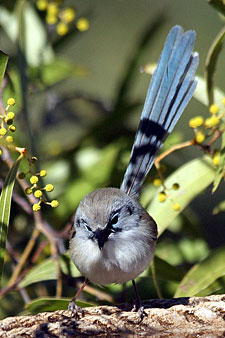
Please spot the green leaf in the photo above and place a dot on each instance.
(210, 65)
(193, 178)
(9, 23)
(184, 250)
(166, 271)
(216, 288)
(32, 35)
(221, 166)
(200, 93)
(218, 5)
(219, 208)
(47, 270)
(50, 304)
(5, 207)
(58, 70)
(203, 274)
(3, 64)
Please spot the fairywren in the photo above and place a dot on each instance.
(114, 236)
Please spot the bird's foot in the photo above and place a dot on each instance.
(75, 309)
(140, 309)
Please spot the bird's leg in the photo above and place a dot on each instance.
(137, 306)
(72, 305)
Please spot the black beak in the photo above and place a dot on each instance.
(102, 237)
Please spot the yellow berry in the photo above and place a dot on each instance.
(157, 182)
(28, 191)
(11, 101)
(162, 196)
(9, 139)
(12, 128)
(82, 24)
(21, 175)
(33, 179)
(68, 15)
(199, 121)
(51, 19)
(0, 151)
(62, 28)
(54, 204)
(38, 193)
(49, 187)
(176, 207)
(216, 158)
(3, 131)
(199, 137)
(213, 109)
(175, 186)
(43, 173)
(223, 101)
(211, 121)
(36, 207)
(196, 122)
(192, 123)
(10, 115)
(42, 5)
(52, 8)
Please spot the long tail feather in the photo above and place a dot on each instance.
(171, 88)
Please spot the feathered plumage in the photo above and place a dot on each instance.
(171, 88)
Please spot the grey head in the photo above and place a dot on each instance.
(106, 212)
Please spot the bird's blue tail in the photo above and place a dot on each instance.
(171, 88)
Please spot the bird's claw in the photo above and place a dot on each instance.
(140, 309)
(75, 309)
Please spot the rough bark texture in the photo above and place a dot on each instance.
(180, 317)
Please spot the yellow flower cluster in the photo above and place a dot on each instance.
(38, 191)
(61, 17)
(216, 157)
(6, 123)
(204, 127)
(163, 195)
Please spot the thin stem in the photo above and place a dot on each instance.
(24, 257)
(155, 281)
(172, 149)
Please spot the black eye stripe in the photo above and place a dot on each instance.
(88, 228)
(114, 219)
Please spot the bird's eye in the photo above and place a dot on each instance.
(88, 228)
(82, 221)
(114, 219)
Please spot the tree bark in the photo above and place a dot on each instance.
(178, 317)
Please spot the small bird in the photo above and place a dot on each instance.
(114, 237)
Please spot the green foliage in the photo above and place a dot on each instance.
(5, 208)
(84, 141)
(193, 177)
(218, 5)
(47, 270)
(211, 62)
(3, 64)
(221, 166)
(202, 274)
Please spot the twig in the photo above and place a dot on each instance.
(24, 257)
(172, 149)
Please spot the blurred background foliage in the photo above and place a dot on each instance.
(79, 93)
